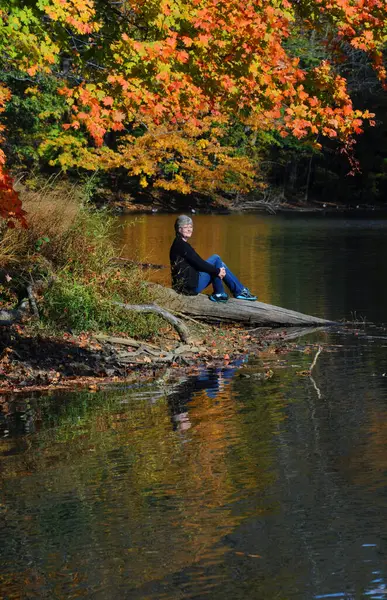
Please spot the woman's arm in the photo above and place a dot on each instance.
(193, 258)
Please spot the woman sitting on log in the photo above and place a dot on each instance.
(191, 274)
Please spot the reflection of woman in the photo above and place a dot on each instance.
(212, 381)
(191, 274)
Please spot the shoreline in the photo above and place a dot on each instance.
(314, 208)
(37, 363)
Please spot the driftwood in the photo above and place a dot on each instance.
(158, 310)
(126, 341)
(146, 353)
(236, 311)
(292, 333)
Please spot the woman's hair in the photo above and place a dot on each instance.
(181, 221)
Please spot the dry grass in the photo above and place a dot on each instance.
(71, 245)
(51, 211)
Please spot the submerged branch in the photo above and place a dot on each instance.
(315, 359)
(318, 391)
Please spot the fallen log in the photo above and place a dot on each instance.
(234, 311)
(292, 332)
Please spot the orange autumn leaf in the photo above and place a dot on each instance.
(173, 76)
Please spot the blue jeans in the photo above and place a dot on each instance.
(230, 280)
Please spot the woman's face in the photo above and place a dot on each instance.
(186, 231)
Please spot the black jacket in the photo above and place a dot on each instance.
(185, 267)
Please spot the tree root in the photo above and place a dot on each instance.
(154, 308)
(13, 315)
(126, 341)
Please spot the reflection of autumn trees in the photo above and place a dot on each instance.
(104, 494)
(110, 485)
(219, 463)
(367, 464)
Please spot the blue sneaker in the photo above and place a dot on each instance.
(218, 297)
(245, 294)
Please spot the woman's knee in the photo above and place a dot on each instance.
(215, 260)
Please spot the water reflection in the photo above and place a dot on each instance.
(220, 485)
(105, 484)
(213, 382)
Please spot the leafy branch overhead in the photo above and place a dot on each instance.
(153, 86)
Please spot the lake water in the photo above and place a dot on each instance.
(332, 267)
(229, 483)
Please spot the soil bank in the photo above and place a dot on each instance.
(31, 361)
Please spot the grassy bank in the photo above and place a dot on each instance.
(69, 246)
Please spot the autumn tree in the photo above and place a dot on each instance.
(10, 204)
(153, 86)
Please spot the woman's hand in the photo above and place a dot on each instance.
(222, 272)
